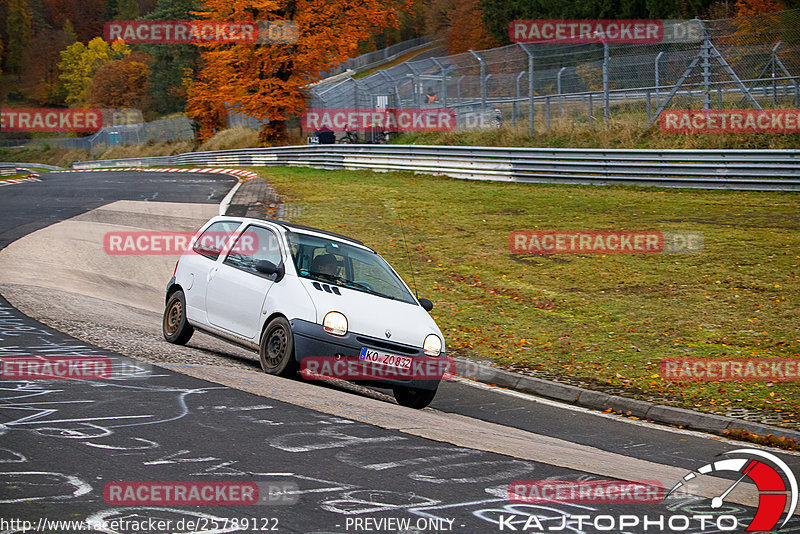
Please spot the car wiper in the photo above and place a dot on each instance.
(368, 290)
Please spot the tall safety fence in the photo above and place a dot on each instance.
(384, 55)
(744, 62)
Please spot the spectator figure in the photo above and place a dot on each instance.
(431, 96)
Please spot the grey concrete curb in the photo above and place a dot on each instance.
(715, 424)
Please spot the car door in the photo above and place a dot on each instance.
(199, 265)
(236, 290)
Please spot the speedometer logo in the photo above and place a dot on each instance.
(776, 484)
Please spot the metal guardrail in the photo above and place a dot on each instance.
(759, 170)
(6, 164)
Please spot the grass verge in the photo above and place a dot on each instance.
(618, 134)
(600, 321)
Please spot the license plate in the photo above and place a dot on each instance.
(390, 360)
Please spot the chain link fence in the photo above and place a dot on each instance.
(745, 62)
(377, 57)
(160, 131)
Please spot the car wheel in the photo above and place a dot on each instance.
(276, 351)
(413, 397)
(175, 327)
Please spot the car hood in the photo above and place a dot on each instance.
(371, 315)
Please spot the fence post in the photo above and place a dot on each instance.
(547, 111)
(706, 55)
(444, 80)
(606, 62)
(458, 88)
(483, 78)
(415, 84)
(648, 107)
(515, 108)
(558, 89)
(658, 85)
(530, 87)
(774, 83)
(591, 116)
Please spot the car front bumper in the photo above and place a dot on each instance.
(312, 341)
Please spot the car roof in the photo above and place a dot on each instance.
(294, 226)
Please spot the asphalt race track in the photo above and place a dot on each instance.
(326, 458)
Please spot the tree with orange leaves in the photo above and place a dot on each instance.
(268, 81)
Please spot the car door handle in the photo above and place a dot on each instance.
(212, 272)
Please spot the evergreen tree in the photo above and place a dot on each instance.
(127, 10)
(19, 30)
(171, 62)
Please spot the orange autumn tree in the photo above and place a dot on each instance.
(268, 81)
(756, 21)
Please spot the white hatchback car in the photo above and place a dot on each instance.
(294, 292)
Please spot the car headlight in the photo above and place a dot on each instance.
(432, 345)
(335, 323)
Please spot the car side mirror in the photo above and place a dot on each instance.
(269, 268)
(426, 304)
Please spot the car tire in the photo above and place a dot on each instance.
(276, 350)
(413, 397)
(174, 326)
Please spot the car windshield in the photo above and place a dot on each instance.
(334, 261)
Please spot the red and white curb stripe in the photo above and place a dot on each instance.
(32, 177)
(243, 175)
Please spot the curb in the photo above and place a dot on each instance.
(33, 176)
(659, 413)
(244, 176)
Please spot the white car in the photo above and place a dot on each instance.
(294, 292)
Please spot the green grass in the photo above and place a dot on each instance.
(624, 133)
(602, 321)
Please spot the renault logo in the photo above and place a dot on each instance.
(388, 334)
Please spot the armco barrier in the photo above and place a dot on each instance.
(760, 170)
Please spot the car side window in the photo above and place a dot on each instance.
(211, 242)
(253, 245)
